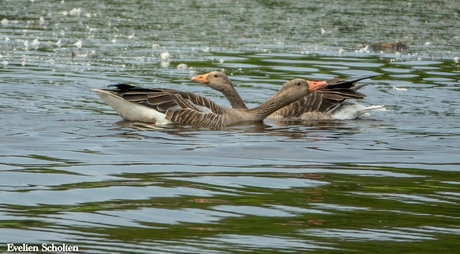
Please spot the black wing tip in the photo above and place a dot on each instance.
(363, 78)
(122, 87)
(351, 84)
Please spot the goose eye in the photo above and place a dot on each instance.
(298, 83)
(215, 75)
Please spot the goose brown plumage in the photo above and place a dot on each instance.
(162, 106)
(323, 104)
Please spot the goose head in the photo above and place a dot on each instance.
(216, 80)
(297, 88)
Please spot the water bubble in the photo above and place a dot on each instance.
(5, 21)
(323, 32)
(155, 46)
(78, 44)
(455, 59)
(364, 49)
(35, 43)
(164, 64)
(399, 88)
(41, 21)
(427, 43)
(5, 63)
(341, 52)
(182, 66)
(221, 60)
(75, 11)
(165, 56)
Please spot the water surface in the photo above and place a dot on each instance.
(72, 172)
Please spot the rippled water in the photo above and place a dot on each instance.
(71, 172)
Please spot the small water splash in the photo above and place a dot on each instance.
(182, 66)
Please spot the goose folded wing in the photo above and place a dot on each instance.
(163, 99)
(324, 101)
(192, 109)
(199, 103)
(319, 101)
(158, 99)
(180, 107)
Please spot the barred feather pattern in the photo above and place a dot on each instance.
(319, 101)
(200, 101)
(195, 110)
(188, 116)
(179, 107)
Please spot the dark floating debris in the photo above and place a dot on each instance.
(388, 47)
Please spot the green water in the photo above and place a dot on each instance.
(72, 172)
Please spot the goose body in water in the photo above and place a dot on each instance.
(161, 106)
(328, 103)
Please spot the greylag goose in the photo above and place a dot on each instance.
(327, 103)
(162, 106)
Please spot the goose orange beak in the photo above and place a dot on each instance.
(201, 78)
(316, 85)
